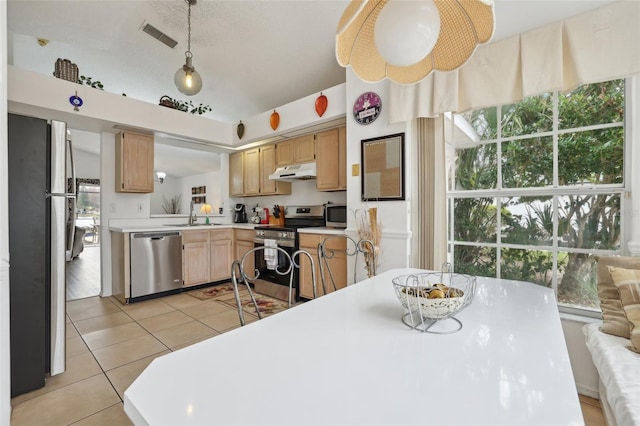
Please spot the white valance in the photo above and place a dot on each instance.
(599, 45)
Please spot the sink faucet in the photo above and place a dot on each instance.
(192, 215)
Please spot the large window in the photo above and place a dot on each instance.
(537, 189)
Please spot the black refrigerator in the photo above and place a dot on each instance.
(41, 208)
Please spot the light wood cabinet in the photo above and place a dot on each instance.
(221, 254)
(295, 151)
(236, 174)
(243, 242)
(134, 162)
(267, 167)
(249, 173)
(195, 257)
(206, 256)
(338, 264)
(252, 172)
(331, 160)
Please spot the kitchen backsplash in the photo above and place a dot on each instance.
(303, 193)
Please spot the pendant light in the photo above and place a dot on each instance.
(405, 40)
(187, 79)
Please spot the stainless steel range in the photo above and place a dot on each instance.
(286, 237)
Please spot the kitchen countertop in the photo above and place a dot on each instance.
(177, 227)
(507, 365)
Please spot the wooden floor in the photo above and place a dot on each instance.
(83, 274)
(591, 411)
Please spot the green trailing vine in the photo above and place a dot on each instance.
(88, 81)
(188, 106)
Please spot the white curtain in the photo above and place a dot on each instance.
(600, 45)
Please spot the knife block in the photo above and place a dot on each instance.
(279, 221)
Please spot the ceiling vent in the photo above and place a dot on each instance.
(158, 35)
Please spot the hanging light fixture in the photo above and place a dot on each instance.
(187, 79)
(160, 176)
(405, 40)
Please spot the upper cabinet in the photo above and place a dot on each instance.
(134, 162)
(236, 174)
(296, 151)
(249, 173)
(331, 160)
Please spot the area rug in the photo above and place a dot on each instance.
(267, 305)
(212, 292)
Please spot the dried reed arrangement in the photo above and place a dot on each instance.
(369, 229)
(171, 206)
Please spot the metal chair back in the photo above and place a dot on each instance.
(239, 274)
(325, 254)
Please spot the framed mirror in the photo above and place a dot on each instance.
(382, 174)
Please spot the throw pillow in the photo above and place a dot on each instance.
(628, 282)
(614, 321)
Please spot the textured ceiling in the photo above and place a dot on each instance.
(253, 55)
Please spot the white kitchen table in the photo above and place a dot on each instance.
(347, 358)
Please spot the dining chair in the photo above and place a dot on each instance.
(95, 230)
(239, 274)
(328, 249)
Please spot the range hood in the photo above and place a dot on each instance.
(295, 172)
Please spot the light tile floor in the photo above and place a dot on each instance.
(109, 345)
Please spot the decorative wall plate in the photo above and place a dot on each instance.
(240, 130)
(367, 108)
(274, 120)
(321, 104)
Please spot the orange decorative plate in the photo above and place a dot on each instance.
(274, 120)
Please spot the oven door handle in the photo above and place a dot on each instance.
(281, 243)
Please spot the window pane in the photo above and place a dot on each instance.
(598, 103)
(593, 157)
(476, 168)
(590, 221)
(475, 220)
(577, 280)
(472, 260)
(530, 116)
(527, 220)
(527, 163)
(484, 123)
(535, 266)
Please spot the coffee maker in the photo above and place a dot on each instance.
(240, 214)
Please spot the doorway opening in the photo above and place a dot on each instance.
(83, 271)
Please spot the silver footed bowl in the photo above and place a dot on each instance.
(435, 295)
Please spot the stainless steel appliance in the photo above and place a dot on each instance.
(38, 242)
(336, 215)
(295, 217)
(240, 214)
(156, 262)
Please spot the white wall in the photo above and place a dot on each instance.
(393, 215)
(87, 164)
(5, 353)
(171, 187)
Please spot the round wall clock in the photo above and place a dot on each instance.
(366, 108)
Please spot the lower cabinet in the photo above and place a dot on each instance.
(206, 256)
(195, 257)
(220, 247)
(337, 264)
(243, 239)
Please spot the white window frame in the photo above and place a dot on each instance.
(625, 189)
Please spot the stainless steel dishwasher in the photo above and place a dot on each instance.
(156, 262)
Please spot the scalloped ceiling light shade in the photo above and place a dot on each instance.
(464, 24)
